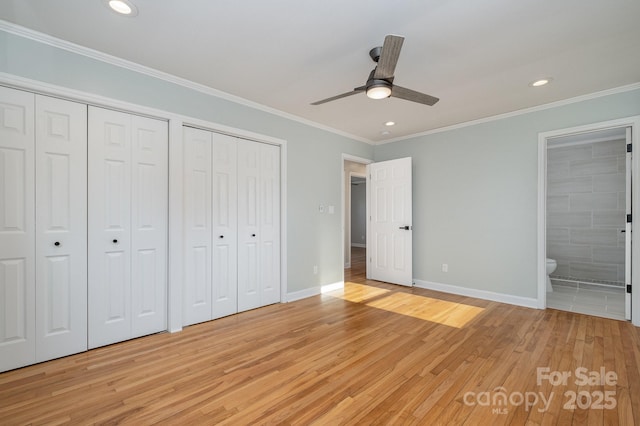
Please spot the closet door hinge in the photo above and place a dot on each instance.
(629, 288)
(629, 148)
(629, 218)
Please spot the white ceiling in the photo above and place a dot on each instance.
(477, 57)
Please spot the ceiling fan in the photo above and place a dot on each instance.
(380, 85)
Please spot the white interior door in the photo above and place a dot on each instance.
(109, 163)
(628, 232)
(61, 228)
(149, 220)
(225, 223)
(389, 239)
(17, 229)
(197, 226)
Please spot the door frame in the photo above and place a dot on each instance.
(343, 210)
(348, 216)
(634, 123)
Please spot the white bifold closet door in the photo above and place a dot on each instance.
(197, 226)
(225, 225)
(258, 224)
(43, 228)
(17, 229)
(232, 225)
(210, 198)
(61, 228)
(128, 225)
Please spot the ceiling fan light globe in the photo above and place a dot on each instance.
(379, 92)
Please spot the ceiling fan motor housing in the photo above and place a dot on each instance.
(375, 53)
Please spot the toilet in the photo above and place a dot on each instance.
(551, 266)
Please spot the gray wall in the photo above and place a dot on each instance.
(359, 214)
(313, 238)
(586, 211)
(475, 194)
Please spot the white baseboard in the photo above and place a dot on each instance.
(303, 294)
(330, 287)
(347, 265)
(313, 291)
(527, 302)
(358, 245)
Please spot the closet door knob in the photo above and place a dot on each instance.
(253, 235)
(57, 243)
(221, 236)
(115, 241)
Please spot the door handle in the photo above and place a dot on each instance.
(406, 227)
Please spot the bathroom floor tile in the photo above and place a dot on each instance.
(555, 304)
(564, 290)
(597, 301)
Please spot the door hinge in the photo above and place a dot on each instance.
(629, 288)
(629, 218)
(629, 147)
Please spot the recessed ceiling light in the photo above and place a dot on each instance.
(122, 7)
(390, 123)
(540, 82)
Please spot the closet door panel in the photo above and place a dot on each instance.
(109, 168)
(248, 231)
(197, 222)
(61, 228)
(269, 224)
(225, 210)
(149, 225)
(17, 229)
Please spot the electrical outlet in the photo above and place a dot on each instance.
(445, 267)
(315, 269)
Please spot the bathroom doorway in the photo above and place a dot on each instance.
(586, 222)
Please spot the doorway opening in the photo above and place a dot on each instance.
(588, 191)
(354, 208)
(586, 220)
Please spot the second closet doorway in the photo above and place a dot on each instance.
(231, 224)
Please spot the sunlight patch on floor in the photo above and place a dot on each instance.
(425, 308)
(358, 293)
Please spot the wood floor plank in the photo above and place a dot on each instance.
(372, 353)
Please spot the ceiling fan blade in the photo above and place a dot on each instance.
(388, 57)
(412, 95)
(343, 95)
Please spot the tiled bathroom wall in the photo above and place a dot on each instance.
(586, 211)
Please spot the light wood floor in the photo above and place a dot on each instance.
(373, 353)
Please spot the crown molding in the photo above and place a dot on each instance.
(563, 102)
(170, 78)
